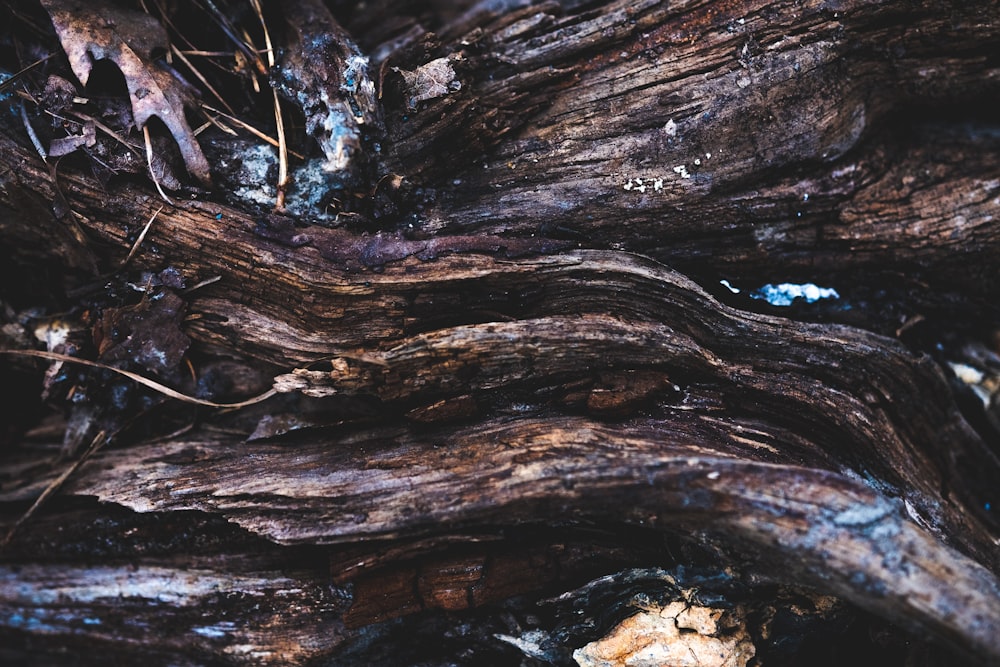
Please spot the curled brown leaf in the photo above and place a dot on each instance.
(91, 31)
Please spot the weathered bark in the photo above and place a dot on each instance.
(508, 367)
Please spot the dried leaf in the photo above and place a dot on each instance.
(434, 79)
(66, 145)
(147, 334)
(91, 31)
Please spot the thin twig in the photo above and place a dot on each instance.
(279, 122)
(180, 55)
(212, 120)
(149, 161)
(152, 384)
(107, 130)
(9, 81)
(54, 486)
(31, 135)
(138, 241)
(267, 35)
(203, 283)
(251, 129)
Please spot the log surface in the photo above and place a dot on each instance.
(505, 367)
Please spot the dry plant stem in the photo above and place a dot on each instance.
(12, 79)
(31, 135)
(135, 377)
(149, 163)
(139, 239)
(282, 185)
(194, 70)
(99, 441)
(251, 129)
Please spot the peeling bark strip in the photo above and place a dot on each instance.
(505, 363)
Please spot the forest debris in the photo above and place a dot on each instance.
(324, 72)
(144, 381)
(58, 94)
(147, 334)
(100, 31)
(138, 241)
(57, 334)
(99, 440)
(66, 145)
(679, 634)
(431, 80)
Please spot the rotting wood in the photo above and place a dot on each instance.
(488, 349)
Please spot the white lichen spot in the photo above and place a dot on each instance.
(743, 81)
(713, 475)
(217, 631)
(530, 643)
(636, 184)
(915, 514)
(697, 161)
(645, 183)
(966, 373)
(253, 175)
(681, 170)
(983, 386)
(54, 334)
(708, 156)
(728, 286)
(860, 514)
(356, 74)
(670, 128)
(785, 294)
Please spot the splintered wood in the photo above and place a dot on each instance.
(678, 635)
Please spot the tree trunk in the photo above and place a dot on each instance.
(530, 386)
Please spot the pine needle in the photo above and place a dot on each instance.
(54, 486)
(279, 204)
(149, 161)
(279, 121)
(138, 241)
(31, 135)
(250, 128)
(10, 80)
(267, 35)
(203, 283)
(231, 32)
(180, 56)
